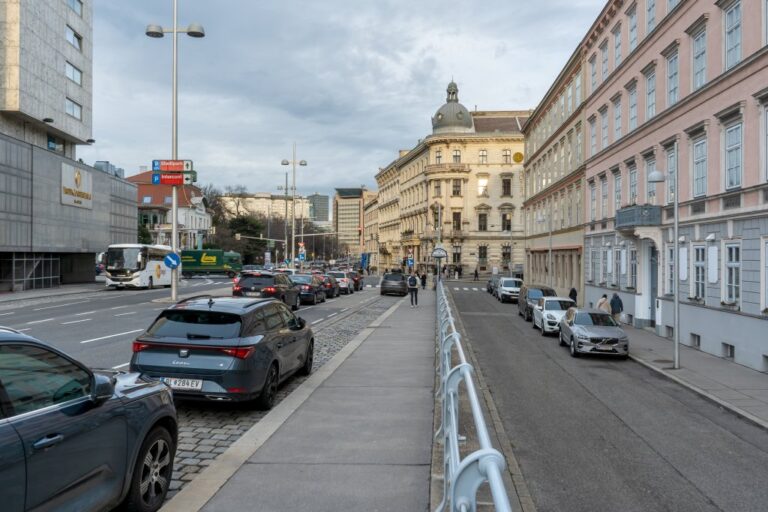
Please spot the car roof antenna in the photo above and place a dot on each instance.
(210, 302)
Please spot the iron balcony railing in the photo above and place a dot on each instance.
(463, 476)
(638, 215)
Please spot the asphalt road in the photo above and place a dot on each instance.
(597, 434)
(98, 328)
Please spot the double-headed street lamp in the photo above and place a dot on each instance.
(658, 177)
(293, 162)
(156, 31)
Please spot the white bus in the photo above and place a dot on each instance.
(136, 266)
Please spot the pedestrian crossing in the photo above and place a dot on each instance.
(466, 289)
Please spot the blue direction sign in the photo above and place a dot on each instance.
(172, 260)
(302, 256)
(410, 261)
(155, 179)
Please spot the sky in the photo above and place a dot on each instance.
(351, 82)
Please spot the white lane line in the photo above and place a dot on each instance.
(86, 313)
(475, 289)
(345, 309)
(466, 289)
(456, 289)
(119, 307)
(113, 336)
(61, 305)
(6, 314)
(22, 330)
(332, 314)
(124, 314)
(40, 321)
(317, 321)
(77, 321)
(120, 366)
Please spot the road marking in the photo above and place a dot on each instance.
(119, 307)
(474, 289)
(124, 314)
(345, 309)
(77, 321)
(317, 321)
(22, 330)
(120, 366)
(86, 313)
(61, 305)
(466, 289)
(332, 314)
(112, 336)
(6, 314)
(40, 321)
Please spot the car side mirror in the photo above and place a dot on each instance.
(299, 324)
(103, 388)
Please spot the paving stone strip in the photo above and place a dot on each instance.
(207, 429)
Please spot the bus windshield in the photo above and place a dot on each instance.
(123, 258)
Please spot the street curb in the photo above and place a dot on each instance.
(704, 394)
(199, 492)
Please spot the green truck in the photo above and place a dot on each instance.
(210, 261)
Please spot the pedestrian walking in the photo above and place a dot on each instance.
(604, 304)
(413, 289)
(477, 275)
(459, 271)
(423, 280)
(617, 307)
(573, 294)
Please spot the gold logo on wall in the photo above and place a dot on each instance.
(78, 178)
(517, 157)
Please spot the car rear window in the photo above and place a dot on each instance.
(393, 277)
(301, 279)
(511, 283)
(249, 281)
(534, 293)
(558, 305)
(599, 319)
(196, 325)
(338, 274)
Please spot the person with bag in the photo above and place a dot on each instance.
(617, 307)
(413, 289)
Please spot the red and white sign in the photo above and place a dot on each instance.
(171, 165)
(171, 179)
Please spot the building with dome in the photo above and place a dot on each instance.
(461, 185)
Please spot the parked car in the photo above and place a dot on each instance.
(548, 312)
(72, 438)
(267, 284)
(346, 285)
(508, 288)
(331, 286)
(357, 279)
(225, 349)
(495, 284)
(593, 331)
(251, 268)
(311, 288)
(529, 295)
(393, 283)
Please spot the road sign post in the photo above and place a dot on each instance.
(172, 260)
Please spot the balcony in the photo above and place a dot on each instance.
(446, 168)
(637, 216)
(457, 233)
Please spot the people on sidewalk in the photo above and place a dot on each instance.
(413, 289)
(573, 294)
(617, 307)
(423, 280)
(604, 304)
(477, 275)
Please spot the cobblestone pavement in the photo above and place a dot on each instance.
(207, 429)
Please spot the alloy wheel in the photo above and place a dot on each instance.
(155, 472)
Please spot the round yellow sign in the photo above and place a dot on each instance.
(158, 271)
(517, 157)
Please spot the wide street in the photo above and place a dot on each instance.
(602, 434)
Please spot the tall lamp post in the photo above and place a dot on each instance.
(157, 31)
(293, 162)
(657, 176)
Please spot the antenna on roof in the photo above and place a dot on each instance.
(210, 302)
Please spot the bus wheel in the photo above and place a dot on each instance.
(151, 285)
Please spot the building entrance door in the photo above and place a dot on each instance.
(654, 284)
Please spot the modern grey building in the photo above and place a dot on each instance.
(319, 207)
(56, 214)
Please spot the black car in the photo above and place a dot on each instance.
(225, 349)
(311, 288)
(528, 297)
(72, 438)
(267, 285)
(332, 288)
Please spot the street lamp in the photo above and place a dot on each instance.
(293, 162)
(157, 31)
(541, 219)
(657, 176)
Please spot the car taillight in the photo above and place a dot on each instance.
(236, 288)
(305, 288)
(240, 353)
(327, 285)
(138, 346)
(268, 289)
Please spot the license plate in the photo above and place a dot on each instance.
(253, 294)
(605, 348)
(188, 384)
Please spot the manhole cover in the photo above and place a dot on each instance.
(663, 361)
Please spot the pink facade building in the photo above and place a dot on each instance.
(681, 87)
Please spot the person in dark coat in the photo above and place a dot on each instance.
(573, 294)
(423, 280)
(617, 307)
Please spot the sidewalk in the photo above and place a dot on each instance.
(742, 390)
(356, 435)
(44, 293)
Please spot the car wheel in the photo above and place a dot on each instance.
(314, 299)
(152, 473)
(151, 285)
(267, 398)
(297, 305)
(310, 358)
(543, 332)
(533, 322)
(574, 352)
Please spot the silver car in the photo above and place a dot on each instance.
(593, 331)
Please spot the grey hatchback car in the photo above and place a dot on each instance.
(76, 439)
(593, 331)
(393, 283)
(225, 349)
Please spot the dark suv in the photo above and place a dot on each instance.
(529, 296)
(225, 349)
(76, 439)
(267, 284)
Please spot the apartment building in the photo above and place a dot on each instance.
(371, 231)
(681, 87)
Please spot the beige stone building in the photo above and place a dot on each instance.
(371, 230)
(554, 184)
(266, 204)
(462, 184)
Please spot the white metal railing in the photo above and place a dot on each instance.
(463, 477)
